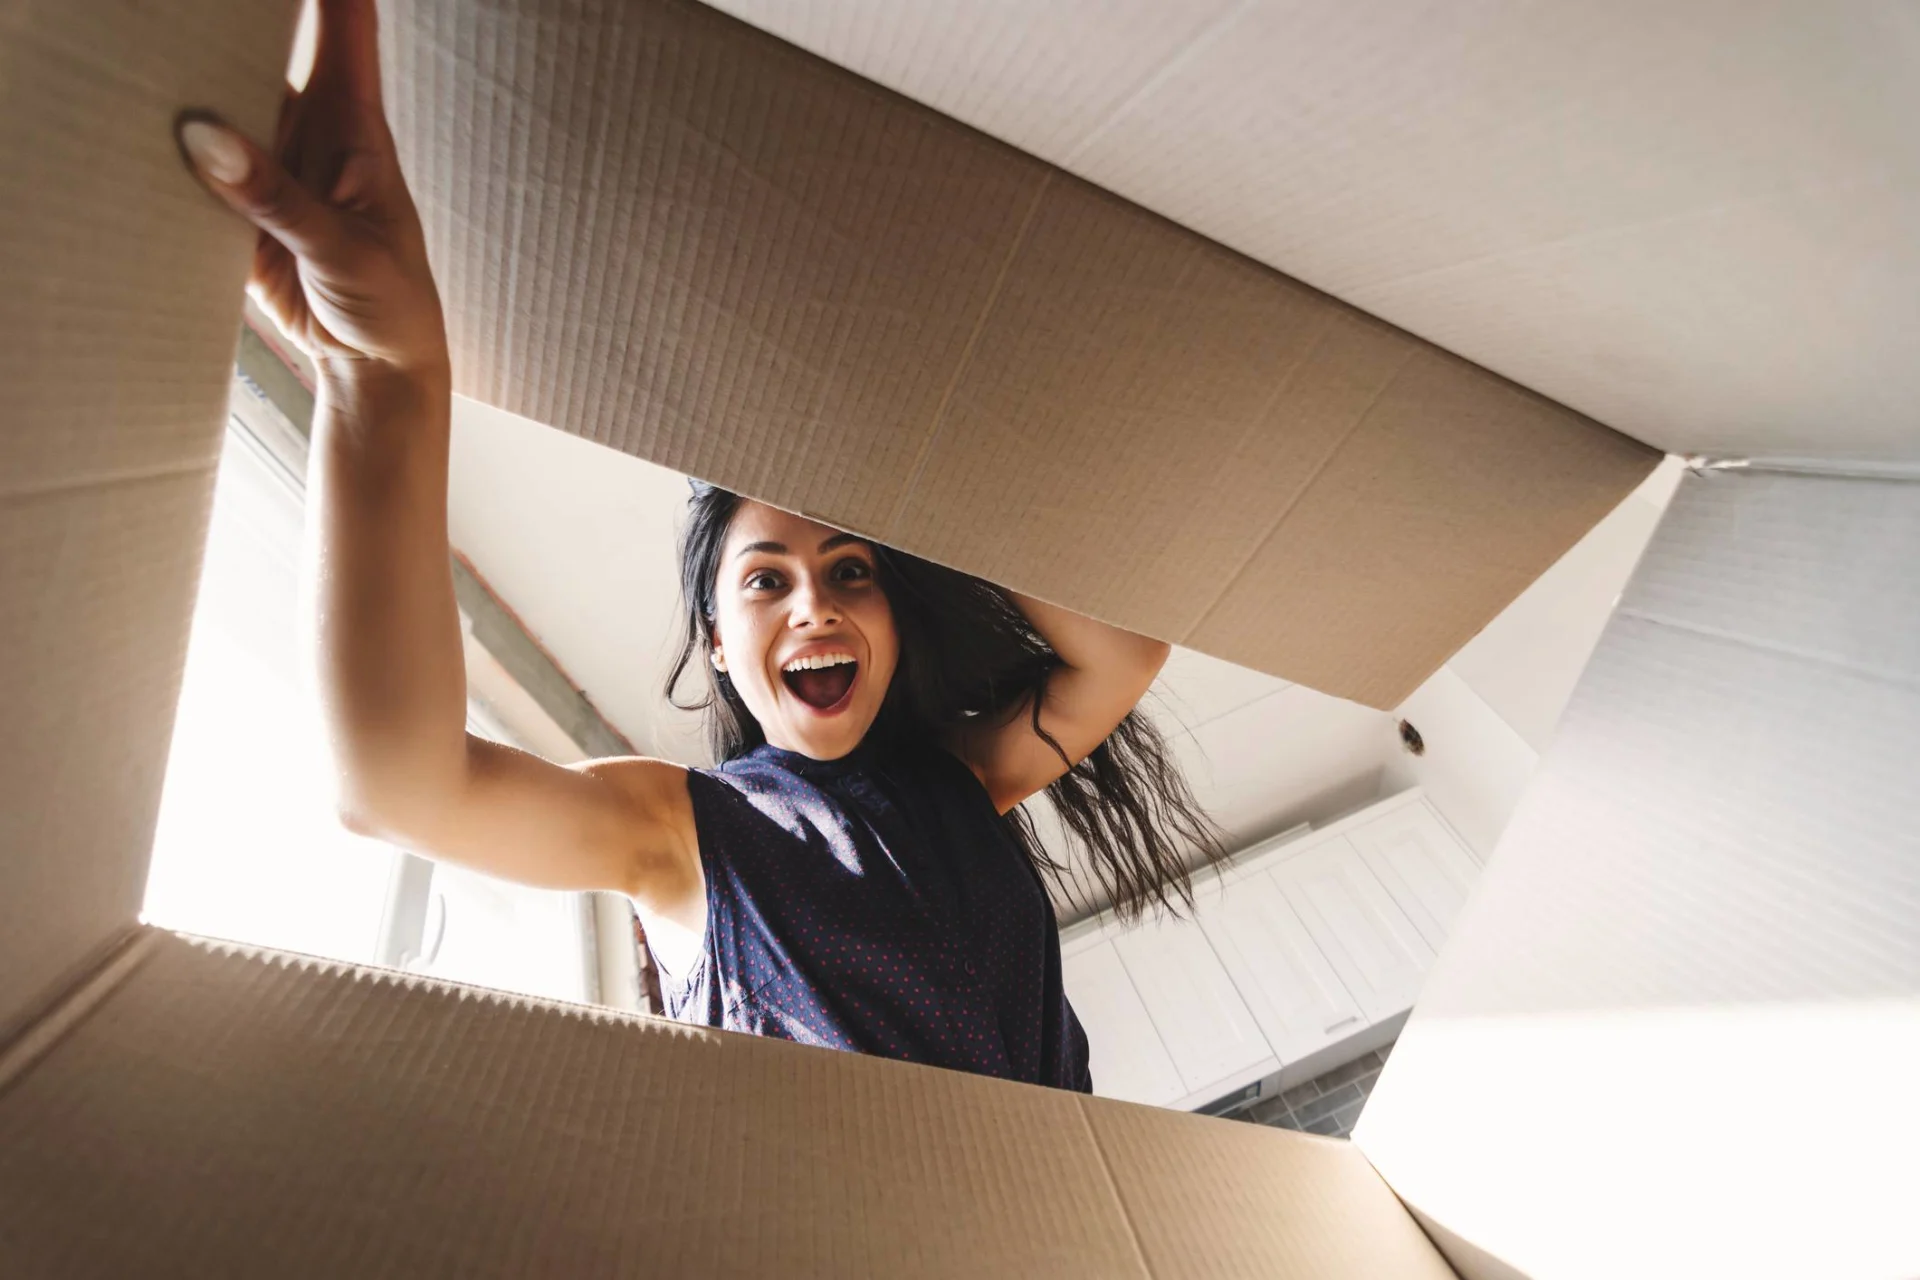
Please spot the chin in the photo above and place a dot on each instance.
(825, 739)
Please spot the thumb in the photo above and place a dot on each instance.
(260, 190)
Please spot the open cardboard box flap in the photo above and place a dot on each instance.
(669, 232)
(180, 1107)
(175, 1106)
(238, 1112)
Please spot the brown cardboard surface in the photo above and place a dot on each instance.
(1676, 1029)
(774, 275)
(1594, 200)
(226, 1111)
(666, 231)
(1308, 1207)
(117, 324)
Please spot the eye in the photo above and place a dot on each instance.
(852, 569)
(765, 580)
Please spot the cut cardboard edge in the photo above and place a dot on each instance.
(117, 335)
(833, 340)
(272, 1106)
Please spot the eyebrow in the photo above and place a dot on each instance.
(780, 548)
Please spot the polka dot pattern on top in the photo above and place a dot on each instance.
(878, 904)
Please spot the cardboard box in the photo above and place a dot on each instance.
(729, 257)
(1711, 897)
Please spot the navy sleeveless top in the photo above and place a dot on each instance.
(876, 903)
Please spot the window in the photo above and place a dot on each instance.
(247, 846)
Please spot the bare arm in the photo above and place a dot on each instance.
(392, 684)
(341, 265)
(1104, 673)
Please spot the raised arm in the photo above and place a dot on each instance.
(392, 683)
(1104, 673)
(341, 265)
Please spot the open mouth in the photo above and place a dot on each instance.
(822, 683)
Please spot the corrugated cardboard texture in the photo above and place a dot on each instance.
(118, 313)
(1691, 220)
(227, 1112)
(668, 232)
(1703, 924)
(1269, 1210)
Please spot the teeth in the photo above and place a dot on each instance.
(818, 661)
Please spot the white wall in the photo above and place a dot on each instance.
(579, 540)
(1488, 714)
(1704, 916)
(1476, 766)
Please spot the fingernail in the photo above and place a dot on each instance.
(215, 151)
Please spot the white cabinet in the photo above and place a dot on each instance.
(1290, 950)
(1286, 979)
(1195, 1007)
(1128, 1060)
(1423, 867)
(1367, 939)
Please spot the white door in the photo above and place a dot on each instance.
(1426, 870)
(1286, 979)
(1128, 1060)
(1370, 942)
(1201, 1018)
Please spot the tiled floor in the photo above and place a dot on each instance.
(1327, 1105)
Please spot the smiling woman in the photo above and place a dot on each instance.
(954, 660)
(810, 644)
(855, 870)
(869, 880)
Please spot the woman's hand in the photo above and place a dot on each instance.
(341, 263)
(1104, 671)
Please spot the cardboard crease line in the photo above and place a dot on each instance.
(966, 359)
(1811, 656)
(1259, 544)
(45, 1029)
(1154, 78)
(1113, 1184)
(106, 480)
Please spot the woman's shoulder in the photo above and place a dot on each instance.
(657, 788)
(636, 773)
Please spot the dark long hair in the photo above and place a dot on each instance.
(967, 655)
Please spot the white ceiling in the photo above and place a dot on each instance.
(1692, 219)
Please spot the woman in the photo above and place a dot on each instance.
(855, 872)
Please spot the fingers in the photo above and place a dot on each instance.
(289, 121)
(348, 55)
(256, 187)
(274, 284)
(275, 272)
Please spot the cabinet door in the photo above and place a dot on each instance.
(1295, 993)
(1426, 870)
(1201, 1018)
(1371, 944)
(1128, 1060)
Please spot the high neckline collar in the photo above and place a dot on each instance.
(855, 761)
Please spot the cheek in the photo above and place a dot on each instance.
(741, 640)
(882, 638)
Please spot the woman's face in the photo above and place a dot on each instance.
(804, 629)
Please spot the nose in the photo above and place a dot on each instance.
(813, 604)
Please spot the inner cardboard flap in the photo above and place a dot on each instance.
(669, 232)
(117, 324)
